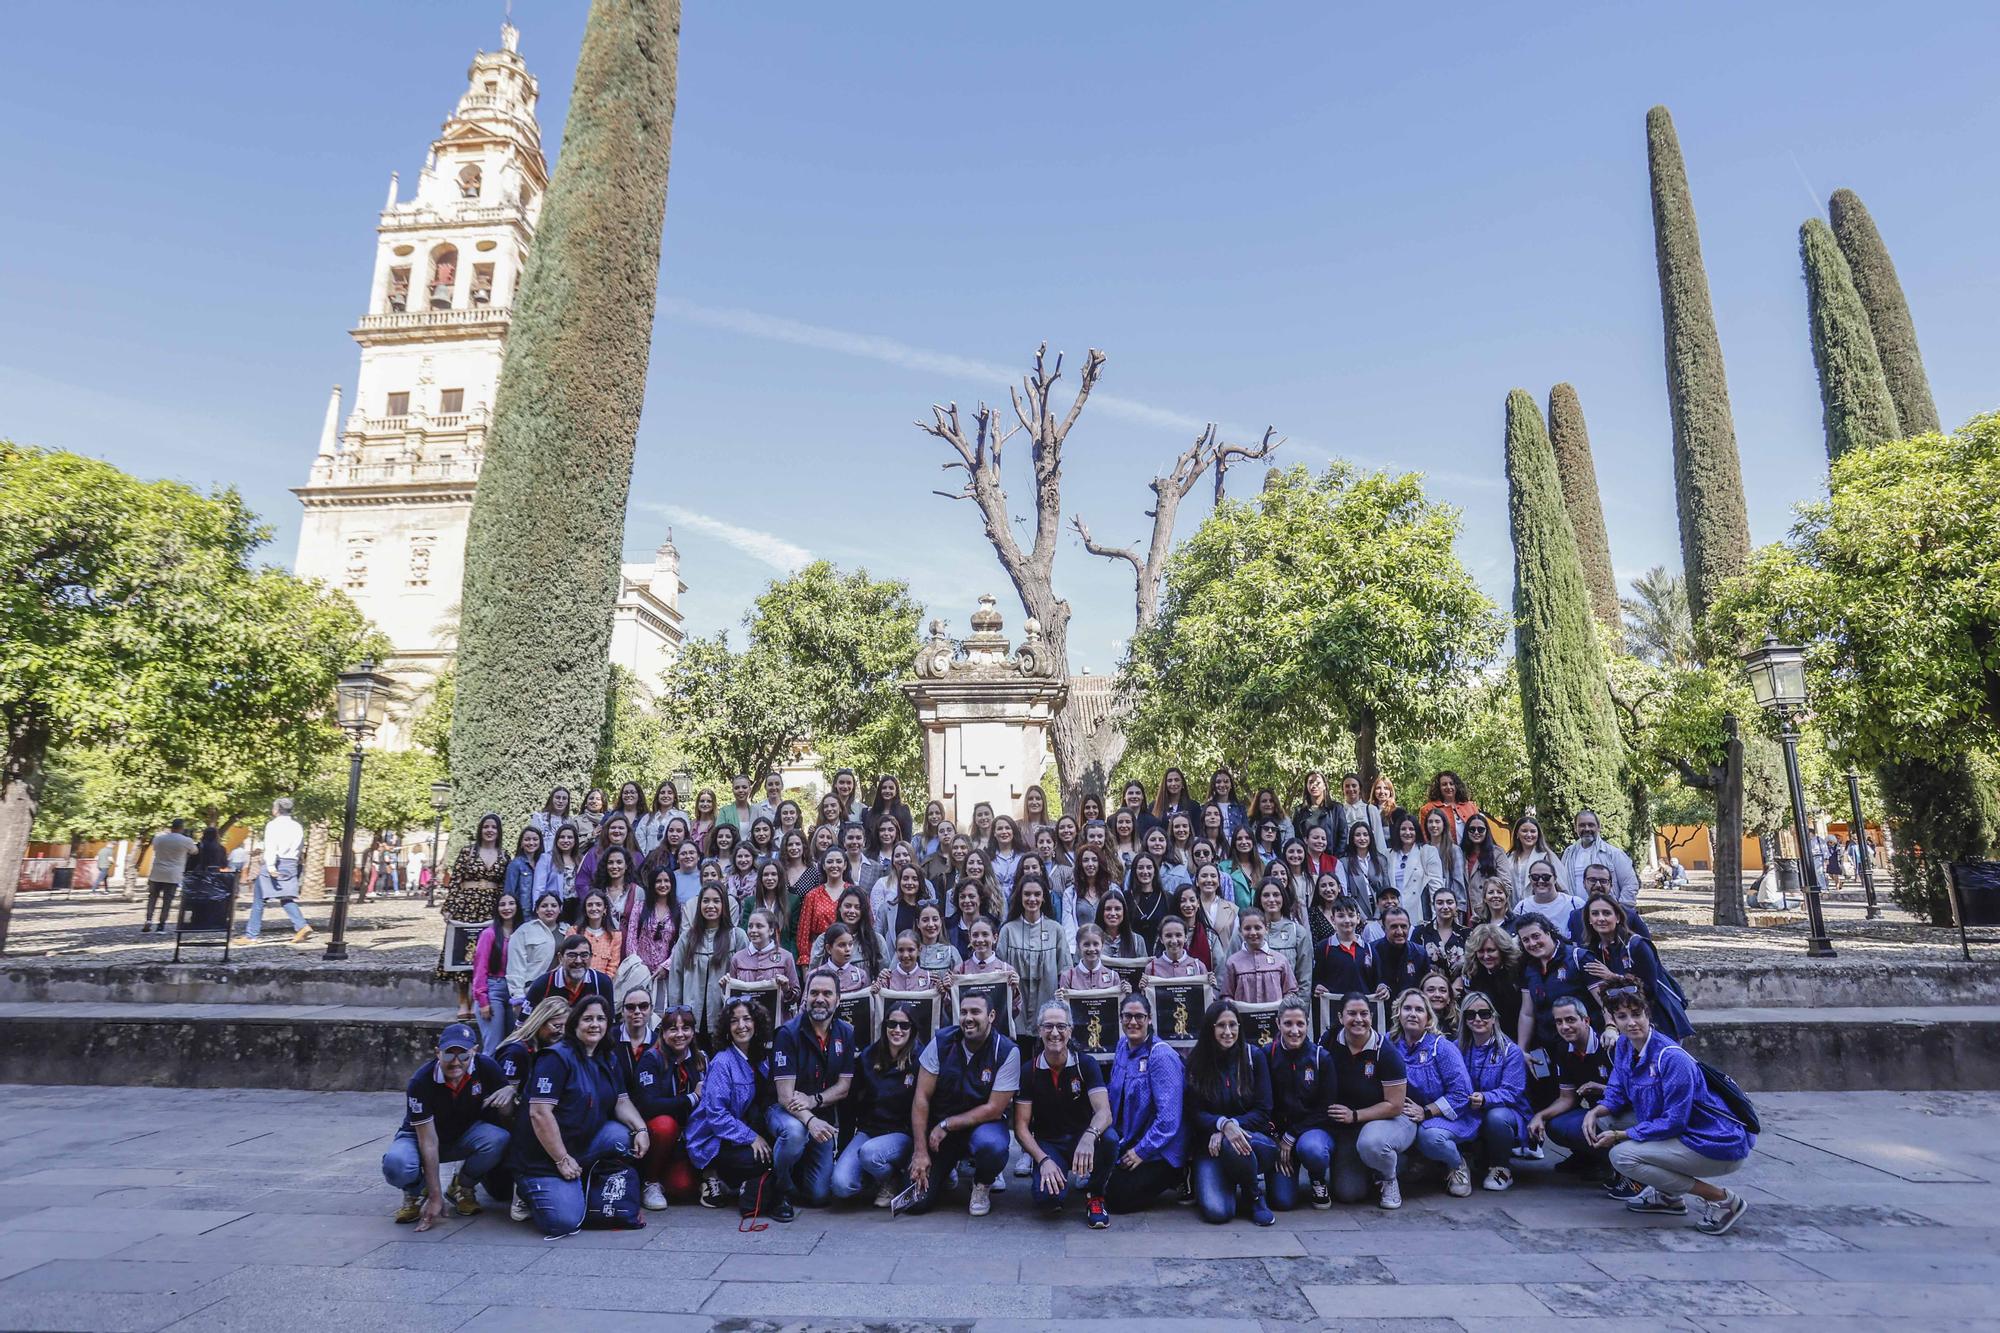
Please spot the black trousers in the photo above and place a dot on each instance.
(757, 1185)
(1140, 1187)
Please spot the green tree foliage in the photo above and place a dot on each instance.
(1323, 606)
(1889, 319)
(132, 622)
(1488, 749)
(847, 639)
(823, 652)
(1578, 471)
(1658, 627)
(1575, 753)
(1708, 476)
(1854, 394)
(395, 793)
(1893, 587)
(636, 744)
(558, 464)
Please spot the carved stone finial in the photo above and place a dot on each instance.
(986, 620)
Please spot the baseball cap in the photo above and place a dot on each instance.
(458, 1037)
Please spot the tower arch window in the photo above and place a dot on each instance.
(469, 178)
(444, 272)
(482, 284)
(398, 295)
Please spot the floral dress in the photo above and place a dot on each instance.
(475, 888)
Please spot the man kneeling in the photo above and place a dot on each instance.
(966, 1077)
(441, 1123)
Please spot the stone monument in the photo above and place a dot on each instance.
(985, 713)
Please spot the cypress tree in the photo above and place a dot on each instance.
(550, 509)
(1853, 393)
(1888, 312)
(1708, 476)
(1575, 752)
(1578, 472)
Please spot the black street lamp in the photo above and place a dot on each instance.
(359, 697)
(1778, 680)
(1860, 841)
(441, 791)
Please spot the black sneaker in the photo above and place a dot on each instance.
(1322, 1197)
(1623, 1190)
(781, 1211)
(713, 1192)
(1099, 1216)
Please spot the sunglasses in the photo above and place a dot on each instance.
(1621, 993)
(895, 1025)
(1479, 1013)
(1541, 879)
(639, 1008)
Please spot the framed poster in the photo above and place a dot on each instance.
(461, 938)
(857, 1010)
(767, 993)
(1177, 1006)
(1130, 970)
(1260, 1022)
(1093, 1018)
(1326, 1014)
(922, 1005)
(993, 985)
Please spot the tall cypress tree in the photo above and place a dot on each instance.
(1708, 475)
(1575, 752)
(1888, 312)
(531, 678)
(1578, 471)
(1853, 393)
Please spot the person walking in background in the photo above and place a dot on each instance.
(171, 849)
(107, 855)
(278, 881)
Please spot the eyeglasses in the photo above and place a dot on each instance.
(1055, 1027)
(1131, 1018)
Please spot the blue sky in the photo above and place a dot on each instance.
(1360, 224)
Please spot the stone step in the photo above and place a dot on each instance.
(333, 1047)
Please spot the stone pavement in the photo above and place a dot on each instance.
(130, 1208)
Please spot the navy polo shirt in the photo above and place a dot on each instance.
(797, 1054)
(882, 1099)
(1340, 971)
(1358, 1079)
(1061, 1104)
(1543, 986)
(583, 1090)
(452, 1110)
(661, 1084)
(1300, 1087)
(1576, 1068)
(1399, 966)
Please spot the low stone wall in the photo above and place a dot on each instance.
(213, 983)
(1802, 983)
(1831, 1050)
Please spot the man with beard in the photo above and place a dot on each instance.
(812, 1068)
(967, 1076)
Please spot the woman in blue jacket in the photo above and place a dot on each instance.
(722, 1137)
(1612, 951)
(1662, 1124)
(1146, 1082)
(1439, 1092)
(1228, 1111)
(1498, 1108)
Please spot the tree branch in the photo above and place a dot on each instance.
(1228, 454)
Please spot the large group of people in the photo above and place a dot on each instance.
(660, 991)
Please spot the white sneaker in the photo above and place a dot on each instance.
(1024, 1168)
(999, 1183)
(1498, 1179)
(518, 1210)
(1530, 1152)
(1458, 1182)
(1392, 1194)
(885, 1196)
(655, 1198)
(982, 1201)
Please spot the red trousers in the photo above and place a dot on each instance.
(666, 1162)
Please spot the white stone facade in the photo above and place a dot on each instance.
(390, 491)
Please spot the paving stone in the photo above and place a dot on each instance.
(535, 1319)
(1442, 1300)
(852, 1300)
(1220, 1288)
(1405, 1242)
(113, 1275)
(457, 1258)
(836, 1268)
(101, 1221)
(1328, 1272)
(1976, 1240)
(1236, 1241)
(1917, 1299)
(350, 1282)
(562, 1261)
(1713, 1264)
(598, 1293)
(1665, 1300)
(103, 1312)
(1473, 1267)
(244, 1313)
(1906, 1266)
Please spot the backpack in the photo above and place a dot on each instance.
(1731, 1095)
(611, 1195)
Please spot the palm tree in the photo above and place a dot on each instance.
(1658, 626)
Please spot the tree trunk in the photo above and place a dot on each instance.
(1728, 848)
(1364, 753)
(20, 795)
(312, 870)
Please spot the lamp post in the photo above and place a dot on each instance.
(441, 791)
(1778, 680)
(1860, 841)
(359, 696)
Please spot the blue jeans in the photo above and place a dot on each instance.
(478, 1148)
(1221, 1180)
(493, 1031)
(1104, 1156)
(804, 1167)
(557, 1205)
(988, 1146)
(261, 894)
(1434, 1140)
(1499, 1135)
(1312, 1150)
(868, 1157)
(1566, 1131)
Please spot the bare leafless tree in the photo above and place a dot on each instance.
(1084, 758)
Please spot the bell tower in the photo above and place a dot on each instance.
(390, 490)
